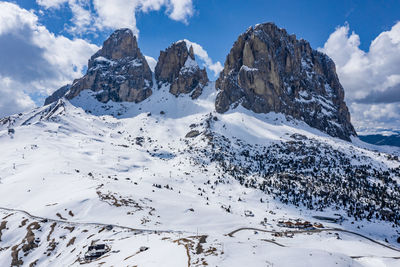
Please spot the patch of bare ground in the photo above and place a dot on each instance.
(51, 247)
(4, 248)
(27, 244)
(127, 258)
(23, 223)
(3, 226)
(32, 264)
(70, 228)
(199, 247)
(114, 199)
(188, 244)
(29, 239)
(92, 235)
(71, 241)
(60, 216)
(139, 251)
(195, 249)
(51, 230)
(5, 217)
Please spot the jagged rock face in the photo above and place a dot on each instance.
(268, 70)
(177, 66)
(118, 72)
(58, 94)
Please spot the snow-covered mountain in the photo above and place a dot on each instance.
(165, 180)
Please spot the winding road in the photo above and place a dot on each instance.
(39, 218)
(231, 234)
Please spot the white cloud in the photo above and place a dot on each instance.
(12, 98)
(82, 18)
(371, 118)
(203, 55)
(371, 79)
(51, 3)
(365, 73)
(151, 61)
(39, 62)
(114, 14)
(180, 10)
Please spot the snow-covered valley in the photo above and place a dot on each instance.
(168, 181)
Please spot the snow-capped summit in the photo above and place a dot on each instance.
(268, 70)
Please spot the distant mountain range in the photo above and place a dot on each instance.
(380, 139)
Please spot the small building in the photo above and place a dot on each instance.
(287, 224)
(303, 225)
(96, 251)
(297, 224)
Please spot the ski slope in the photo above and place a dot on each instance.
(74, 167)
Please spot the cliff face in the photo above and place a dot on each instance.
(177, 66)
(118, 72)
(268, 70)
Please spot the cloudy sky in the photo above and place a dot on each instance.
(45, 44)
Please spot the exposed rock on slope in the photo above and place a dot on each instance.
(118, 72)
(58, 94)
(177, 67)
(268, 70)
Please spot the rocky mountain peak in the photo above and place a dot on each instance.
(177, 66)
(121, 44)
(268, 70)
(117, 72)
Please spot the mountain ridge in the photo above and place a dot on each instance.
(299, 82)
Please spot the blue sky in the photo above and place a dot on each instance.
(56, 37)
(216, 24)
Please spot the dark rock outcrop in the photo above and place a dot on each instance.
(268, 70)
(177, 67)
(118, 72)
(58, 94)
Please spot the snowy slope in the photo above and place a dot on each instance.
(171, 174)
